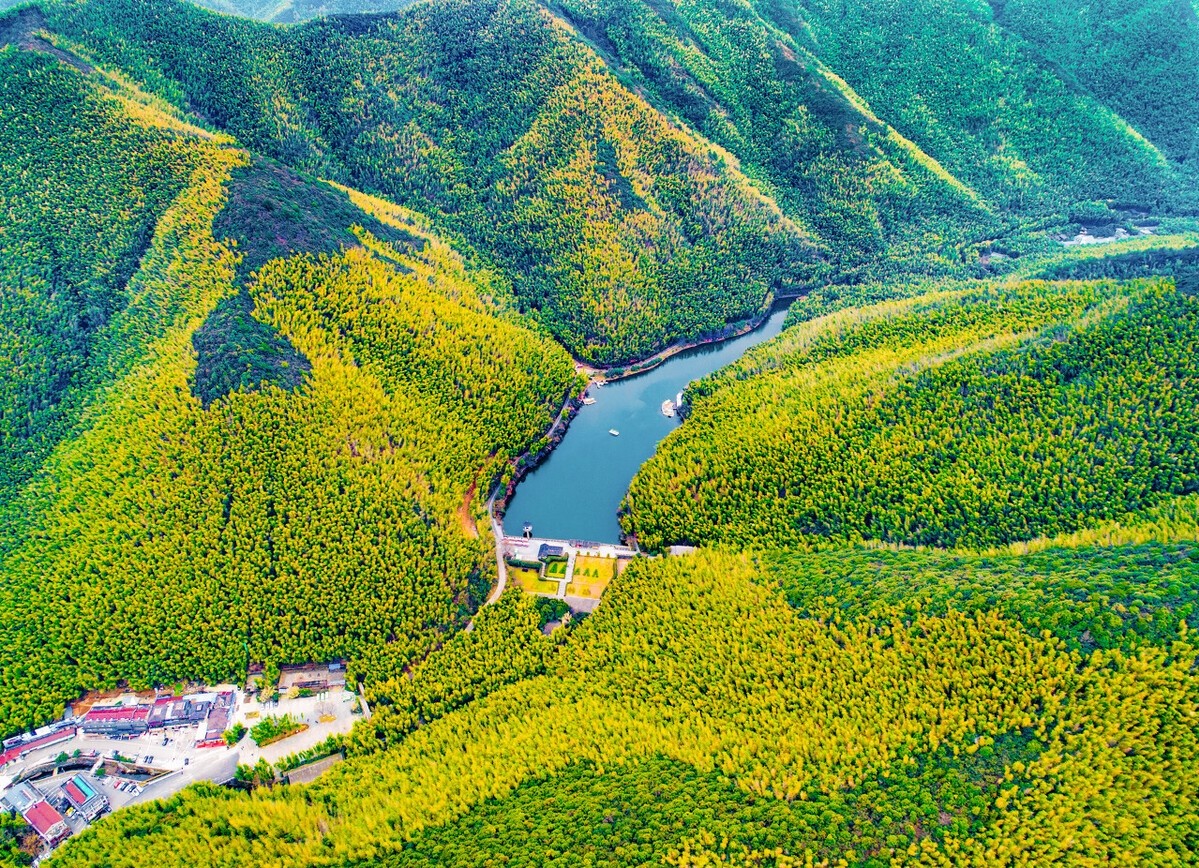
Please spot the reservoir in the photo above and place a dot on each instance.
(576, 492)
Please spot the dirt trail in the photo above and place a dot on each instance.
(468, 522)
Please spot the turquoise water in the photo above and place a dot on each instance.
(576, 492)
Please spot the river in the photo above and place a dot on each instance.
(575, 493)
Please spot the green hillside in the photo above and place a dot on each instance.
(621, 231)
(282, 301)
(974, 417)
(988, 108)
(65, 257)
(697, 718)
(292, 11)
(647, 173)
(247, 409)
(1141, 59)
(794, 126)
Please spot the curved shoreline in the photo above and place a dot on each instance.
(622, 372)
(526, 462)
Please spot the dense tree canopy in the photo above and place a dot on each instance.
(165, 536)
(542, 138)
(984, 104)
(698, 713)
(80, 193)
(974, 417)
(250, 414)
(623, 231)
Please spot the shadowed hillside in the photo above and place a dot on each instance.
(246, 408)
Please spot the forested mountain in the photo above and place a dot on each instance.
(1128, 55)
(624, 231)
(697, 719)
(242, 409)
(645, 173)
(980, 100)
(292, 11)
(280, 306)
(972, 417)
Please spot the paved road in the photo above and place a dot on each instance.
(218, 767)
(497, 533)
(497, 529)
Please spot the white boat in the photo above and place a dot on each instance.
(613, 432)
(589, 400)
(678, 400)
(668, 408)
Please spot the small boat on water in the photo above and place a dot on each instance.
(613, 432)
(678, 400)
(668, 408)
(588, 400)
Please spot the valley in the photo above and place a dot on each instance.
(575, 493)
(476, 432)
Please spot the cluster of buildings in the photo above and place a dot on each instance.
(19, 745)
(210, 712)
(48, 811)
(60, 805)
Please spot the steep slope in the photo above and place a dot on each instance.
(1140, 58)
(65, 258)
(975, 417)
(794, 127)
(697, 717)
(265, 443)
(622, 231)
(981, 103)
(539, 136)
(294, 11)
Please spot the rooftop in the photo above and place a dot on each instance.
(17, 750)
(22, 796)
(77, 791)
(137, 712)
(43, 817)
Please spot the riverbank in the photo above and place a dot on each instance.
(590, 477)
(527, 462)
(730, 332)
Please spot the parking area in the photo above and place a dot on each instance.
(326, 713)
(134, 748)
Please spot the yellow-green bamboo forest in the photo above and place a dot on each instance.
(288, 290)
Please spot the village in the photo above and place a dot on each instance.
(136, 747)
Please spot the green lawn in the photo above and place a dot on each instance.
(531, 582)
(591, 576)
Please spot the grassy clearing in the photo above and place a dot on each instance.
(591, 576)
(531, 582)
(595, 568)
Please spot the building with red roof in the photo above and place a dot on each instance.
(120, 721)
(20, 749)
(84, 798)
(47, 822)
